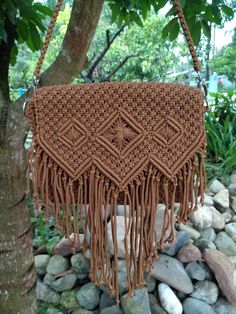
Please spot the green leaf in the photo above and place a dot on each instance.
(34, 36)
(171, 27)
(227, 10)
(206, 28)
(43, 9)
(174, 32)
(13, 56)
(136, 18)
(196, 32)
(22, 29)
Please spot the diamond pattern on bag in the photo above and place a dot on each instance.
(167, 131)
(73, 133)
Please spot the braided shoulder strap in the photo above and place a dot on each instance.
(180, 14)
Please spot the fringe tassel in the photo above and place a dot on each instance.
(93, 198)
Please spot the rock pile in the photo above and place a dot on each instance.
(195, 275)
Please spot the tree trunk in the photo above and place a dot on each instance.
(17, 272)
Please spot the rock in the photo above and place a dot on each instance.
(208, 200)
(221, 200)
(112, 310)
(223, 307)
(64, 283)
(233, 177)
(48, 278)
(169, 300)
(195, 271)
(230, 229)
(69, 301)
(120, 210)
(233, 261)
(206, 291)
(41, 263)
(232, 189)
(137, 304)
(208, 272)
(182, 238)
(227, 217)
(233, 204)
(122, 283)
(83, 311)
(208, 234)
(218, 221)
(53, 311)
(195, 306)
(203, 244)
(223, 269)
(57, 264)
(215, 186)
(46, 294)
(155, 305)
(171, 271)
(80, 265)
(189, 253)
(202, 217)
(51, 243)
(88, 296)
(151, 284)
(159, 224)
(225, 244)
(193, 233)
(106, 301)
(65, 246)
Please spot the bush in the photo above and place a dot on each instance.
(220, 125)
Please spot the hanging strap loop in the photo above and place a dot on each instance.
(179, 12)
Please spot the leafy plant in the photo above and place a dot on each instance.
(220, 125)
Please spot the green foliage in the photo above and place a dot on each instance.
(220, 126)
(26, 18)
(199, 15)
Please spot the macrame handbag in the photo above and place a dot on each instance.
(99, 145)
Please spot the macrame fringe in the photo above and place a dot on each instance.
(95, 197)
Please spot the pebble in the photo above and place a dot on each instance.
(64, 283)
(171, 271)
(233, 177)
(230, 229)
(80, 265)
(208, 199)
(223, 269)
(206, 291)
(227, 217)
(155, 305)
(151, 284)
(137, 304)
(215, 186)
(41, 263)
(46, 294)
(88, 296)
(159, 224)
(221, 200)
(169, 300)
(195, 306)
(122, 283)
(69, 301)
(112, 310)
(193, 233)
(218, 221)
(203, 244)
(57, 264)
(208, 234)
(189, 253)
(223, 307)
(48, 278)
(195, 271)
(106, 301)
(233, 204)
(182, 238)
(65, 246)
(202, 217)
(232, 189)
(53, 311)
(225, 244)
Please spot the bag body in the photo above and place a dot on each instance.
(103, 144)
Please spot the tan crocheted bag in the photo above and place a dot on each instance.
(99, 145)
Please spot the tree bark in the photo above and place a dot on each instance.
(17, 273)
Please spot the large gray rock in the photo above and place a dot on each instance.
(195, 306)
(171, 271)
(64, 283)
(208, 234)
(182, 238)
(225, 244)
(88, 296)
(203, 244)
(196, 271)
(114, 309)
(218, 221)
(215, 186)
(46, 294)
(137, 304)
(232, 189)
(202, 217)
(57, 264)
(41, 263)
(221, 200)
(223, 307)
(80, 265)
(231, 230)
(169, 300)
(206, 291)
(189, 253)
(155, 305)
